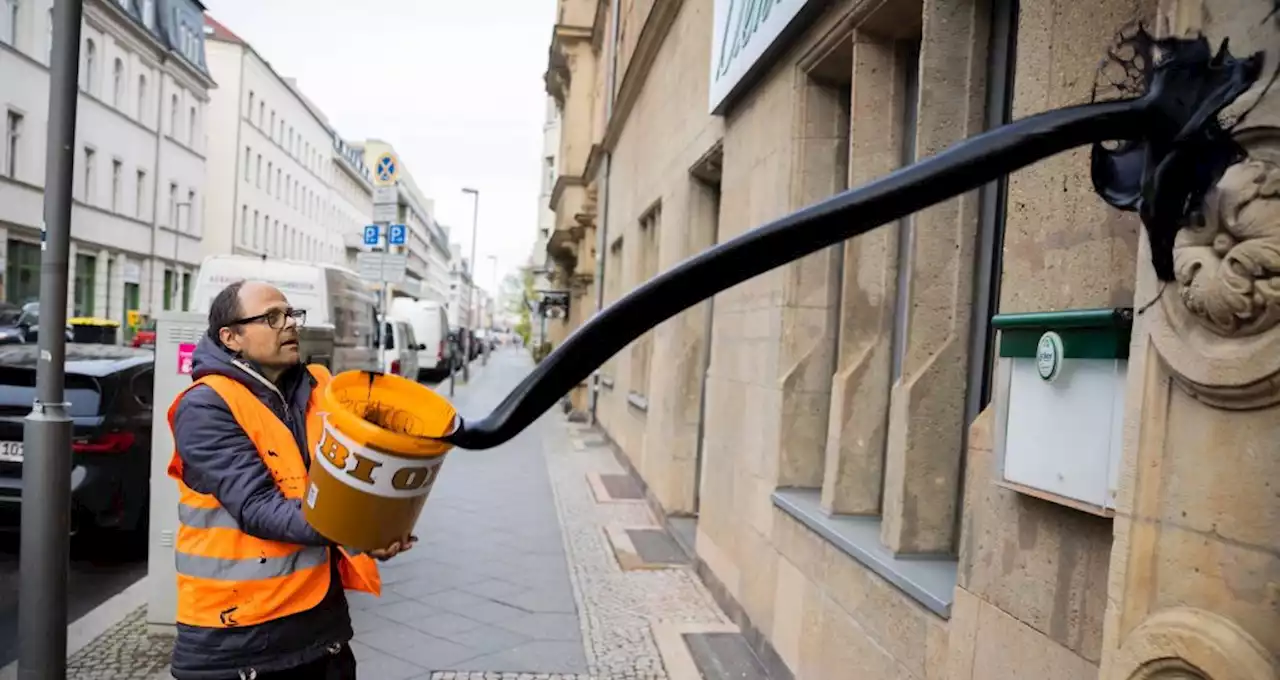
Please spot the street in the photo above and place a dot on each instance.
(97, 573)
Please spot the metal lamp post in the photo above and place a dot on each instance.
(471, 284)
(46, 470)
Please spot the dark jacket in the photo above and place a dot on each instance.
(219, 459)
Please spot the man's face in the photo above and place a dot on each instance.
(269, 335)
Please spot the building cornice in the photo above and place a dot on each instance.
(562, 183)
(656, 27)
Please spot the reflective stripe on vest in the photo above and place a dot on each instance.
(228, 578)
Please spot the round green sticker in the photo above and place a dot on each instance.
(1049, 356)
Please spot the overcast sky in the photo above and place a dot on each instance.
(456, 87)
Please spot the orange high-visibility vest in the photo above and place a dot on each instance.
(228, 578)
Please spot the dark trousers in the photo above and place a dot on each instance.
(340, 666)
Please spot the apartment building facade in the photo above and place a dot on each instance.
(865, 519)
(141, 140)
(548, 169)
(271, 174)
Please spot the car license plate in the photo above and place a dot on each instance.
(11, 452)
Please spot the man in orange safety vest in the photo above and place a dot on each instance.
(260, 592)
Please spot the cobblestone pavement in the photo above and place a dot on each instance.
(124, 651)
(514, 577)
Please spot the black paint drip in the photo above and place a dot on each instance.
(1164, 175)
(1171, 150)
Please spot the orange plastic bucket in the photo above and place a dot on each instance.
(378, 458)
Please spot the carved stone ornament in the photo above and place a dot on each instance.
(1219, 326)
(1191, 644)
(1228, 268)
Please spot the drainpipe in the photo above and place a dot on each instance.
(602, 206)
(155, 182)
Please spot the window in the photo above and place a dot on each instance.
(256, 240)
(173, 116)
(244, 225)
(186, 291)
(48, 43)
(90, 66)
(646, 264)
(262, 111)
(86, 273)
(250, 114)
(149, 13)
(111, 266)
(271, 131)
(142, 96)
(268, 178)
(12, 137)
(279, 185)
(89, 159)
(191, 127)
(11, 28)
(117, 83)
(257, 173)
(248, 160)
(173, 206)
(141, 191)
(117, 169)
(167, 302)
(191, 214)
(22, 272)
(268, 235)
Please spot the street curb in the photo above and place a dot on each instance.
(99, 620)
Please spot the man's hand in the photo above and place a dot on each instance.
(402, 545)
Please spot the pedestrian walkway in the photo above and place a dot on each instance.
(516, 575)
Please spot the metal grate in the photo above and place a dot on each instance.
(724, 656)
(621, 487)
(655, 546)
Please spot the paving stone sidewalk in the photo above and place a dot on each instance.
(514, 577)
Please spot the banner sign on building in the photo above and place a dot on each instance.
(744, 30)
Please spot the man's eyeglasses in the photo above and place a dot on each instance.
(274, 318)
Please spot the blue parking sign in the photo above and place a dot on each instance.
(371, 235)
(396, 235)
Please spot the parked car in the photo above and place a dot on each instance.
(21, 324)
(146, 335)
(402, 349)
(430, 324)
(109, 389)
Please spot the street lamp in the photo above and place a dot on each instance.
(471, 283)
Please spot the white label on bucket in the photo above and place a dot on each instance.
(311, 496)
(374, 472)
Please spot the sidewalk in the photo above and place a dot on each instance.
(521, 572)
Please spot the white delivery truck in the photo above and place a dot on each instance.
(430, 324)
(342, 314)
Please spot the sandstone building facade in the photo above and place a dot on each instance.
(845, 437)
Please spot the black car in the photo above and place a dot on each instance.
(20, 325)
(109, 390)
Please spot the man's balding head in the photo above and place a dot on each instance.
(250, 318)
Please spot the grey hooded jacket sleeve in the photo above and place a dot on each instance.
(219, 459)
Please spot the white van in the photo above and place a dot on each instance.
(342, 316)
(430, 324)
(401, 356)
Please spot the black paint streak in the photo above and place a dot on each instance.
(1157, 170)
(1164, 175)
(227, 617)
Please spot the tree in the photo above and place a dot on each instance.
(517, 295)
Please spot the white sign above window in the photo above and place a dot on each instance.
(744, 30)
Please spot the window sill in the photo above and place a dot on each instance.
(931, 581)
(638, 402)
